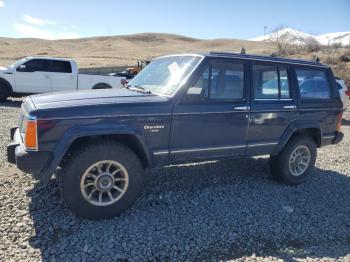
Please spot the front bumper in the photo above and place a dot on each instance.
(32, 162)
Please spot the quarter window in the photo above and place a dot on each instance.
(270, 82)
(223, 81)
(313, 84)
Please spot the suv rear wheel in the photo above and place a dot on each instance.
(293, 165)
(101, 180)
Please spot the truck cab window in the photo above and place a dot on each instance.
(34, 65)
(61, 66)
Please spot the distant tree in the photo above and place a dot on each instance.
(311, 45)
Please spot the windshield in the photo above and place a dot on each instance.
(165, 75)
(19, 62)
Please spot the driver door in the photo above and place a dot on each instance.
(215, 125)
(33, 77)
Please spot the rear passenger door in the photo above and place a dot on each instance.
(273, 106)
(214, 125)
(62, 76)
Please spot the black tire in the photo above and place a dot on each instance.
(78, 163)
(102, 86)
(4, 93)
(279, 164)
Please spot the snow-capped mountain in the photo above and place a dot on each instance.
(292, 36)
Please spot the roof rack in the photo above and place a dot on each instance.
(265, 58)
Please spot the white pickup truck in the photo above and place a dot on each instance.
(35, 75)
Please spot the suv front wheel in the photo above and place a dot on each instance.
(293, 165)
(101, 180)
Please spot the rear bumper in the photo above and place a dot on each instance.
(334, 139)
(32, 162)
(337, 138)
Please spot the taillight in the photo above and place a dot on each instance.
(340, 118)
(347, 92)
(30, 138)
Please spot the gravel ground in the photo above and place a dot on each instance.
(226, 210)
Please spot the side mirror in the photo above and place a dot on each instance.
(195, 91)
(194, 94)
(22, 68)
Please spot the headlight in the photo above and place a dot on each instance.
(31, 135)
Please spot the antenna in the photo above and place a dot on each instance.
(317, 59)
(242, 51)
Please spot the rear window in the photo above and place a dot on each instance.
(313, 84)
(61, 67)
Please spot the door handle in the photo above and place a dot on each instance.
(289, 107)
(242, 108)
(47, 76)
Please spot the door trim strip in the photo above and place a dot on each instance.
(263, 144)
(206, 149)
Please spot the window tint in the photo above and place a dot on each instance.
(61, 67)
(265, 81)
(313, 84)
(284, 82)
(223, 81)
(36, 65)
(270, 82)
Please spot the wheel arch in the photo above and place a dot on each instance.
(129, 140)
(311, 129)
(102, 85)
(7, 84)
(78, 136)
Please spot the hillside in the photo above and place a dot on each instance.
(117, 50)
(127, 49)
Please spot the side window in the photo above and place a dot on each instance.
(270, 82)
(313, 84)
(284, 83)
(61, 66)
(34, 65)
(223, 81)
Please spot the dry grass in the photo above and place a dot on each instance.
(117, 50)
(127, 49)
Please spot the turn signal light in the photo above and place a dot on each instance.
(31, 139)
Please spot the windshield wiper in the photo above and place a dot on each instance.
(140, 89)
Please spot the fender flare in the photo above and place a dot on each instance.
(107, 86)
(292, 129)
(7, 84)
(76, 132)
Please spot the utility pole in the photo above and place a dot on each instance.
(265, 28)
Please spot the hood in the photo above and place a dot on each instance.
(3, 69)
(92, 97)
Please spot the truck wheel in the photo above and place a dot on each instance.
(102, 86)
(293, 165)
(4, 93)
(101, 180)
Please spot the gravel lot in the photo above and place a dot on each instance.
(210, 211)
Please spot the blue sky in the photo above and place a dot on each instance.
(205, 19)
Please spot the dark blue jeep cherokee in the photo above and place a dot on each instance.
(180, 108)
